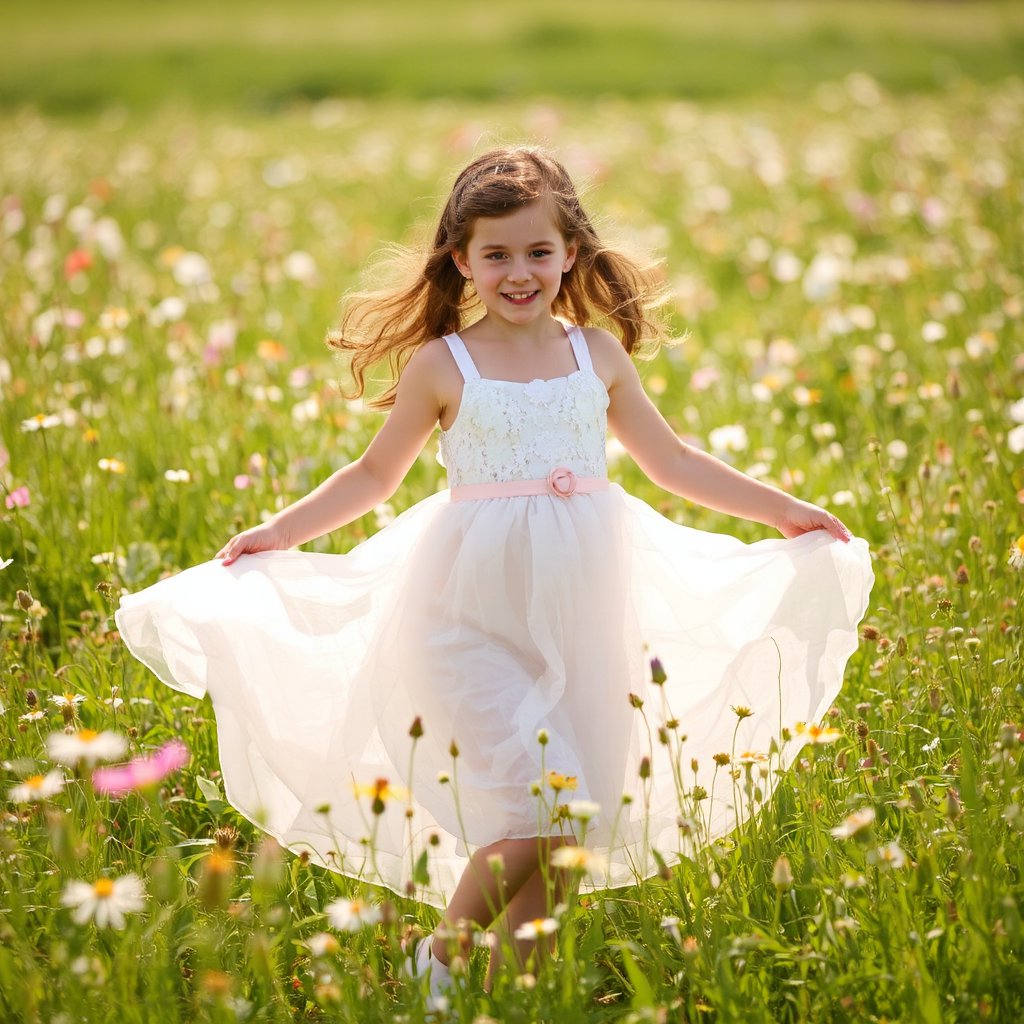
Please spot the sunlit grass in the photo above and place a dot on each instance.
(848, 269)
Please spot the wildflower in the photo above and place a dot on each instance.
(1016, 559)
(741, 711)
(557, 781)
(177, 476)
(190, 269)
(721, 759)
(583, 810)
(658, 676)
(241, 481)
(217, 868)
(299, 266)
(782, 873)
(817, 734)
(66, 700)
(730, 438)
(271, 351)
(323, 944)
(854, 823)
(352, 915)
(578, 858)
(18, 498)
(31, 716)
(141, 771)
(542, 737)
(227, 836)
(104, 901)
(41, 421)
(4, 562)
(215, 984)
(86, 745)
(218, 862)
(37, 787)
(379, 792)
(752, 757)
(889, 856)
(536, 928)
(112, 466)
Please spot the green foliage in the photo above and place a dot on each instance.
(78, 58)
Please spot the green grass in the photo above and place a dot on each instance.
(80, 57)
(891, 400)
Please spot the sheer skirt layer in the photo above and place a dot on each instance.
(489, 621)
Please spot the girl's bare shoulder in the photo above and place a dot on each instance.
(433, 368)
(610, 359)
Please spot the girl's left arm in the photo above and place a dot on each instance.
(688, 471)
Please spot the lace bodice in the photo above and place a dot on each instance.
(508, 430)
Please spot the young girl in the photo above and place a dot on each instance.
(451, 685)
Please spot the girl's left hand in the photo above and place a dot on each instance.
(800, 517)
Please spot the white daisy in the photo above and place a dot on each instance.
(584, 810)
(578, 858)
(86, 745)
(536, 928)
(854, 823)
(104, 901)
(67, 700)
(892, 855)
(37, 787)
(323, 944)
(351, 915)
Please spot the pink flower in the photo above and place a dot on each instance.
(17, 498)
(241, 481)
(141, 771)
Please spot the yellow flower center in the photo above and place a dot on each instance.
(34, 782)
(103, 887)
(87, 735)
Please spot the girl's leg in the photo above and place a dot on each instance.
(528, 904)
(481, 893)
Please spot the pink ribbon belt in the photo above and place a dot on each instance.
(561, 482)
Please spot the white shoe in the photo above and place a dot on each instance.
(422, 963)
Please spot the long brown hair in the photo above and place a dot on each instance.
(603, 283)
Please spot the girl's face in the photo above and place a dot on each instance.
(516, 262)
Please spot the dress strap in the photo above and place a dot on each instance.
(458, 349)
(580, 349)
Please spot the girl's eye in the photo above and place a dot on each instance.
(541, 252)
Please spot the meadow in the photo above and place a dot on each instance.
(846, 309)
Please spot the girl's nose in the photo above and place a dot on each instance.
(518, 272)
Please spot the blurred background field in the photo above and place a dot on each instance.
(69, 57)
(186, 191)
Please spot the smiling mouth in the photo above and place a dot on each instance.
(520, 298)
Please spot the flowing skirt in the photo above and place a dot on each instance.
(390, 703)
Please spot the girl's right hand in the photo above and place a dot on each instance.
(267, 536)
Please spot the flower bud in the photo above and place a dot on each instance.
(782, 874)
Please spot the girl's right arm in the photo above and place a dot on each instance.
(362, 485)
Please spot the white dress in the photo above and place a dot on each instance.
(489, 620)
